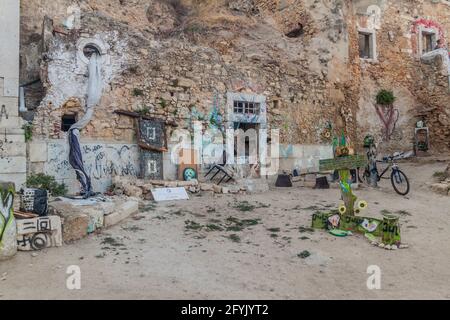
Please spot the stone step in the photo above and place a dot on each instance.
(122, 212)
(14, 146)
(18, 178)
(11, 106)
(11, 123)
(13, 165)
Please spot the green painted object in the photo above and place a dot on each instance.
(340, 233)
(370, 237)
(320, 220)
(343, 163)
(356, 224)
(391, 230)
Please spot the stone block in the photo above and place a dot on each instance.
(185, 83)
(38, 152)
(122, 212)
(18, 178)
(75, 223)
(13, 165)
(441, 188)
(39, 233)
(15, 146)
(191, 183)
(96, 219)
(206, 187)
(132, 191)
(75, 227)
(108, 207)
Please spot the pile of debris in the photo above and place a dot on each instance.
(443, 186)
(82, 217)
(139, 188)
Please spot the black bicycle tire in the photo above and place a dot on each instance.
(406, 179)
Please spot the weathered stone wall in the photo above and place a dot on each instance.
(420, 89)
(12, 142)
(177, 59)
(191, 65)
(103, 160)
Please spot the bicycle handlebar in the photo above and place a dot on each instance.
(391, 158)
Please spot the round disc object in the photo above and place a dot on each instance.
(189, 174)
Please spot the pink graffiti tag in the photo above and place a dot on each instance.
(429, 24)
(389, 117)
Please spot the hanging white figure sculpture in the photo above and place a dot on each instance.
(93, 98)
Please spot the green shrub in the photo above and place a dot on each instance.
(42, 181)
(144, 111)
(138, 92)
(163, 103)
(28, 131)
(385, 97)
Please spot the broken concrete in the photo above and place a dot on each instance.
(82, 217)
(122, 212)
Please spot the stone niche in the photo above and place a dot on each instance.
(91, 43)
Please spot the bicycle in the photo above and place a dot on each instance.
(398, 178)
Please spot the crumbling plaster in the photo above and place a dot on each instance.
(172, 59)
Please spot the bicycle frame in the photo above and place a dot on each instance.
(392, 165)
(380, 176)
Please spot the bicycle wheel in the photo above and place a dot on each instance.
(400, 182)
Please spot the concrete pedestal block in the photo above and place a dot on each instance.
(96, 219)
(75, 227)
(75, 223)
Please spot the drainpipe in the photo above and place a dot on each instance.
(22, 107)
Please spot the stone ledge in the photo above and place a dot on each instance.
(142, 188)
(124, 211)
(83, 217)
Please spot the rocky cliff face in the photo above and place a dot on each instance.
(174, 58)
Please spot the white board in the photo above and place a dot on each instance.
(169, 194)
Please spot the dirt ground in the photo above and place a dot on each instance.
(179, 251)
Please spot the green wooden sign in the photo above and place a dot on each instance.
(343, 163)
(387, 229)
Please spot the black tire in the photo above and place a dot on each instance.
(403, 180)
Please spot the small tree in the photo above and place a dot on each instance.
(385, 110)
(385, 97)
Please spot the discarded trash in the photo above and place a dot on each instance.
(284, 181)
(340, 233)
(304, 254)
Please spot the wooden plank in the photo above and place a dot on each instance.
(139, 116)
(343, 163)
(25, 215)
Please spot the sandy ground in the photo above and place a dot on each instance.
(155, 256)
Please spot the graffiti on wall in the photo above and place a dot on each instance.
(40, 233)
(425, 24)
(6, 212)
(102, 162)
(389, 117)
